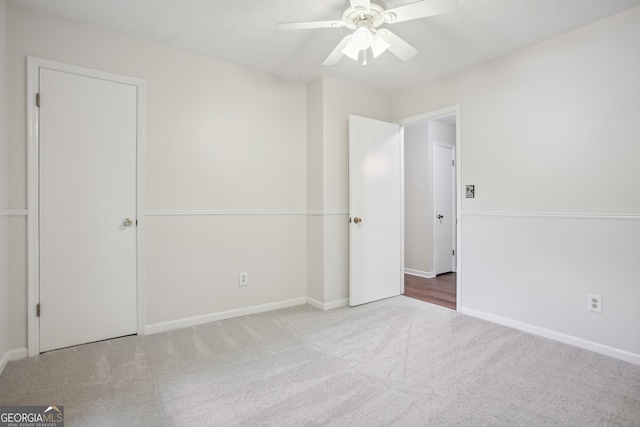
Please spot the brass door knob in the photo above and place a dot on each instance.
(440, 217)
(357, 220)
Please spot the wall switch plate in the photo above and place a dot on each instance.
(471, 191)
(244, 278)
(594, 303)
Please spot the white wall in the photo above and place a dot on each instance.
(329, 181)
(418, 202)
(551, 139)
(219, 138)
(315, 199)
(441, 132)
(4, 255)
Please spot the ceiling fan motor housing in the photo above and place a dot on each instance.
(372, 18)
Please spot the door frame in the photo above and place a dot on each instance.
(33, 159)
(412, 120)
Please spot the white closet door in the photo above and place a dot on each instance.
(87, 200)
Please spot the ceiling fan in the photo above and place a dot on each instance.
(365, 17)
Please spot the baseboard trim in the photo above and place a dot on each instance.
(11, 355)
(420, 273)
(324, 306)
(556, 336)
(222, 315)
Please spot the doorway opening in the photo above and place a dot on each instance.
(431, 208)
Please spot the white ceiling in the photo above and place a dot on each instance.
(244, 32)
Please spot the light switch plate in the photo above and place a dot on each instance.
(471, 191)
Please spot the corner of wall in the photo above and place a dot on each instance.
(339, 100)
(315, 240)
(4, 179)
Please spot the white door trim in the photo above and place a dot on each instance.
(33, 238)
(453, 109)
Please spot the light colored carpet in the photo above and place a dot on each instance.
(394, 362)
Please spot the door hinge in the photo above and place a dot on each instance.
(136, 222)
(38, 310)
(453, 162)
(38, 99)
(453, 252)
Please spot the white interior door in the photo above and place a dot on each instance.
(445, 207)
(375, 207)
(87, 191)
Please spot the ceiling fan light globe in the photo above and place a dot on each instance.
(362, 38)
(351, 51)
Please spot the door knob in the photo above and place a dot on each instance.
(357, 220)
(127, 222)
(440, 217)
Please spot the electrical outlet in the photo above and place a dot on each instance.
(594, 303)
(244, 278)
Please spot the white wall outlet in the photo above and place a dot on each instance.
(594, 303)
(244, 278)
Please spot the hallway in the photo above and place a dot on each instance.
(440, 290)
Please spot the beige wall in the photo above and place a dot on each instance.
(219, 137)
(551, 133)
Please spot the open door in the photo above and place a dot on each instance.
(375, 209)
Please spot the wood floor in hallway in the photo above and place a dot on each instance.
(440, 290)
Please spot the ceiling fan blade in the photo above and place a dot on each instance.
(337, 54)
(309, 25)
(363, 4)
(418, 10)
(397, 46)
